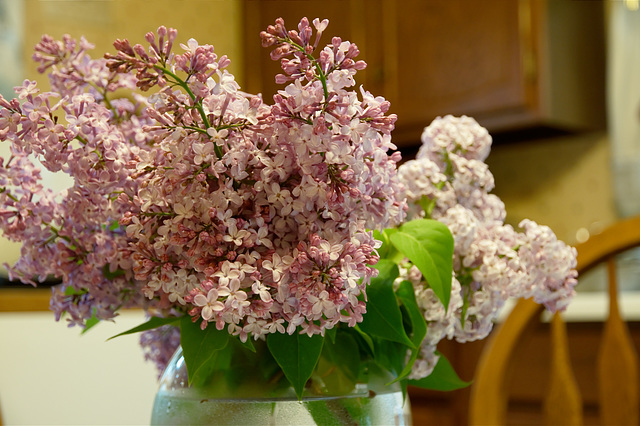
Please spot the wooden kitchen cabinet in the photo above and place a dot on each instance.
(515, 65)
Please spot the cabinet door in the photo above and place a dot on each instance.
(456, 57)
(495, 60)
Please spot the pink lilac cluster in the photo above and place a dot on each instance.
(200, 198)
(450, 182)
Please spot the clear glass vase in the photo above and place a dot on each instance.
(253, 398)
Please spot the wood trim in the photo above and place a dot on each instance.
(617, 364)
(24, 299)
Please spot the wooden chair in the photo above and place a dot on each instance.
(617, 361)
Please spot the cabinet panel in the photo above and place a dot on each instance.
(513, 65)
(458, 57)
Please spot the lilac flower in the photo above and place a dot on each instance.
(492, 262)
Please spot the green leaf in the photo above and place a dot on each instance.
(248, 344)
(443, 378)
(364, 337)
(407, 296)
(383, 318)
(154, 322)
(331, 379)
(328, 412)
(331, 334)
(387, 250)
(343, 354)
(427, 205)
(70, 291)
(91, 322)
(429, 245)
(390, 355)
(220, 361)
(199, 347)
(114, 226)
(106, 271)
(297, 355)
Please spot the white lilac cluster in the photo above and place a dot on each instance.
(200, 198)
(450, 182)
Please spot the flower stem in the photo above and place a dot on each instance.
(196, 102)
(321, 75)
(11, 196)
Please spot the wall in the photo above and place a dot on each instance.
(564, 183)
(51, 375)
(214, 22)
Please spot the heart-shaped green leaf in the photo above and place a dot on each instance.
(407, 296)
(443, 378)
(383, 318)
(429, 245)
(297, 355)
(200, 346)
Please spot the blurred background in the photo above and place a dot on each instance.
(555, 82)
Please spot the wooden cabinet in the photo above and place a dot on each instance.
(514, 65)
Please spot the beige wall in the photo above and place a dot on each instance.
(216, 22)
(564, 183)
(52, 375)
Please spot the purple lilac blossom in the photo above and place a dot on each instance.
(200, 198)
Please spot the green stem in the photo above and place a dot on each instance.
(11, 196)
(195, 129)
(151, 214)
(103, 92)
(323, 79)
(187, 89)
(321, 76)
(56, 234)
(82, 140)
(197, 104)
(232, 126)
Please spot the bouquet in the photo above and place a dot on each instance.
(285, 229)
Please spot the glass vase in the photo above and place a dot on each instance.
(240, 396)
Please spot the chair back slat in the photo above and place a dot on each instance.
(617, 364)
(563, 402)
(489, 397)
